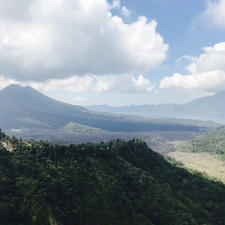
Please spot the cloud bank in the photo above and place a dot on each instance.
(125, 83)
(41, 40)
(206, 72)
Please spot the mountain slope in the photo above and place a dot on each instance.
(25, 107)
(210, 107)
(118, 182)
(212, 142)
(205, 108)
(205, 153)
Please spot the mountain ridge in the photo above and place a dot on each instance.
(26, 107)
(116, 182)
(205, 108)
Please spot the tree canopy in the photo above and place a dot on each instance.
(117, 183)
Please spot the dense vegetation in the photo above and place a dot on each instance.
(212, 142)
(117, 183)
(76, 127)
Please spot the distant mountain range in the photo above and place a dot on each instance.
(205, 108)
(24, 107)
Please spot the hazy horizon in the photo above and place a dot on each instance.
(25, 86)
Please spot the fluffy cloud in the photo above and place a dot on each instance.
(206, 72)
(210, 81)
(125, 11)
(92, 83)
(57, 39)
(115, 4)
(89, 83)
(216, 12)
(123, 83)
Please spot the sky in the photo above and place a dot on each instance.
(115, 52)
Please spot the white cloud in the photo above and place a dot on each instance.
(115, 4)
(213, 59)
(215, 12)
(89, 83)
(125, 11)
(123, 83)
(206, 72)
(57, 39)
(13, 10)
(213, 80)
(79, 99)
(74, 84)
(5, 82)
(92, 83)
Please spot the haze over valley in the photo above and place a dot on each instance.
(205, 108)
(28, 114)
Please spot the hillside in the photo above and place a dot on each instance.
(118, 182)
(24, 107)
(76, 127)
(205, 153)
(205, 108)
(212, 142)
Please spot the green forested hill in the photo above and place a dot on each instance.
(117, 183)
(212, 142)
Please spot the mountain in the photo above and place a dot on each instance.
(205, 108)
(117, 182)
(24, 107)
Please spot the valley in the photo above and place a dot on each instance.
(72, 164)
(28, 114)
(205, 153)
(160, 141)
(202, 162)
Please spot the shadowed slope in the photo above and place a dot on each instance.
(26, 107)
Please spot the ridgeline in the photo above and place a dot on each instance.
(117, 183)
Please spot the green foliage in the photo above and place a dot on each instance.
(212, 142)
(117, 182)
(76, 127)
(2, 134)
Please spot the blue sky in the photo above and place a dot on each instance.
(114, 52)
(180, 24)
